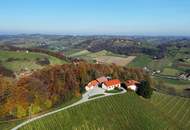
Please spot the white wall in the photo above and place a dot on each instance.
(110, 88)
(132, 87)
(89, 88)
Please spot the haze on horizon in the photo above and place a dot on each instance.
(123, 17)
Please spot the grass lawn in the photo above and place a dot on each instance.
(119, 112)
(114, 91)
(98, 95)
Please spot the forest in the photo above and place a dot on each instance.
(54, 85)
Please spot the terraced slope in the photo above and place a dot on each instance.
(177, 108)
(119, 112)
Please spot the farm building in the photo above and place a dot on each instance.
(132, 84)
(91, 85)
(102, 79)
(111, 84)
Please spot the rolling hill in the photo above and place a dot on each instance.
(174, 107)
(126, 111)
(18, 61)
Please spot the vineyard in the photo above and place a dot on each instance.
(126, 111)
(177, 108)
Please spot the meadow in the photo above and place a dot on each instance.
(141, 61)
(103, 56)
(23, 60)
(115, 60)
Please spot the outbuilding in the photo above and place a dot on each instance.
(91, 85)
(132, 85)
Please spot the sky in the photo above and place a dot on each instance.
(109, 17)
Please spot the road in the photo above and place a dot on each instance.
(85, 98)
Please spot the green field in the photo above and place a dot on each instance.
(174, 81)
(174, 107)
(178, 85)
(80, 53)
(141, 61)
(114, 91)
(90, 56)
(171, 72)
(165, 65)
(25, 60)
(7, 125)
(104, 57)
(120, 112)
(98, 95)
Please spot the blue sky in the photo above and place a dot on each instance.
(122, 17)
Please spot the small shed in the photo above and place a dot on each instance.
(132, 85)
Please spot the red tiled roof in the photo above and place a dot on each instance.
(92, 83)
(102, 79)
(132, 82)
(112, 82)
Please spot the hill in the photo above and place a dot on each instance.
(128, 111)
(174, 107)
(18, 61)
(54, 85)
(103, 57)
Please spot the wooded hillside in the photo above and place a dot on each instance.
(53, 85)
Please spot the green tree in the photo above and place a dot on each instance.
(144, 89)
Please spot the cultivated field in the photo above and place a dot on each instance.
(119, 112)
(178, 85)
(170, 72)
(17, 61)
(103, 56)
(80, 53)
(176, 108)
(115, 60)
(141, 61)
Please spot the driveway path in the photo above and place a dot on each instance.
(85, 98)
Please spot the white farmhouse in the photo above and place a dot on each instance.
(111, 84)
